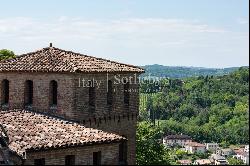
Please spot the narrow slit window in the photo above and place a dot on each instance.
(53, 93)
(5, 92)
(28, 92)
(97, 158)
(110, 93)
(126, 93)
(92, 95)
(123, 153)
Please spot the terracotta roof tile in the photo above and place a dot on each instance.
(203, 161)
(34, 131)
(185, 162)
(53, 59)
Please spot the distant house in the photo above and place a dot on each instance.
(176, 140)
(225, 152)
(218, 160)
(195, 147)
(202, 162)
(245, 158)
(240, 154)
(184, 162)
(246, 148)
(212, 146)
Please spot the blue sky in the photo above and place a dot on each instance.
(204, 33)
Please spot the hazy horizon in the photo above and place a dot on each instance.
(197, 66)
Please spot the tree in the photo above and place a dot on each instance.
(149, 151)
(234, 161)
(6, 54)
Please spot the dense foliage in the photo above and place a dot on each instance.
(184, 72)
(148, 149)
(6, 54)
(210, 108)
(234, 161)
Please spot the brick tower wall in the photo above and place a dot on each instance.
(73, 101)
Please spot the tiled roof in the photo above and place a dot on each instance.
(34, 131)
(184, 161)
(217, 157)
(53, 59)
(239, 151)
(195, 144)
(177, 137)
(203, 161)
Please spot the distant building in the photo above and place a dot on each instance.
(240, 154)
(225, 152)
(184, 162)
(202, 162)
(195, 147)
(212, 146)
(176, 140)
(218, 160)
(245, 158)
(246, 148)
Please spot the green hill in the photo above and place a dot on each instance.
(210, 108)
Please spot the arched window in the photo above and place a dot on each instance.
(110, 93)
(5, 92)
(126, 93)
(92, 96)
(28, 93)
(53, 93)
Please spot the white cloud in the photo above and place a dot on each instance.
(130, 39)
(64, 27)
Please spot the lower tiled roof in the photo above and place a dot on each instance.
(33, 131)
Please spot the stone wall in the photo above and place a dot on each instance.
(120, 119)
(83, 155)
(41, 82)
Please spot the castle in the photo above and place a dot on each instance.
(66, 108)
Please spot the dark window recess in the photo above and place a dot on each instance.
(126, 93)
(92, 95)
(97, 157)
(53, 93)
(28, 92)
(39, 161)
(5, 92)
(110, 93)
(70, 160)
(123, 153)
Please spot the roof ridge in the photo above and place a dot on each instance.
(45, 60)
(97, 58)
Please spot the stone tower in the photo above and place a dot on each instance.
(95, 92)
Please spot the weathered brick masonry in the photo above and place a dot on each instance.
(83, 155)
